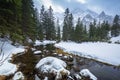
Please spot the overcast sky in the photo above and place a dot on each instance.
(111, 7)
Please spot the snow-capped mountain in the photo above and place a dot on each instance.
(87, 16)
(104, 17)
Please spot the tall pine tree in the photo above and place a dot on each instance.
(67, 26)
(115, 30)
(28, 19)
(58, 34)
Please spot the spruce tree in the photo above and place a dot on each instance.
(41, 27)
(10, 11)
(85, 33)
(92, 31)
(115, 30)
(70, 27)
(28, 19)
(50, 28)
(67, 26)
(105, 30)
(79, 31)
(58, 31)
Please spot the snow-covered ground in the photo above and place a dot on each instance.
(45, 42)
(101, 51)
(6, 67)
(115, 39)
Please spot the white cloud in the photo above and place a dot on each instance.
(55, 7)
(81, 1)
(95, 8)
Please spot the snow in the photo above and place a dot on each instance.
(7, 68)
(101, 51)
(115, 39)
(37, 52)
(52, 65)
(45, 42)
(50, 62)
(18, 76)
(87, 73)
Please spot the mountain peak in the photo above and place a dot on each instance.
(102, 14)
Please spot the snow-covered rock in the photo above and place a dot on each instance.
(37, 52)
(52, 65)
(18, 76)
(60, 55)
(87, 73)
(33, 49)
(46, 78)
(101, 51)
(65, 57)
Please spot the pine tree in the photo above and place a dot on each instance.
(41, 27)
(115, 30)
(67, 26)
(92, 31)
(99, 32)
(28, 19)
(10, 11)
(105, 30)
(64, 35)
(79, 31)
(70, 27)
(85, 34)
(58, 31)
(50, 28)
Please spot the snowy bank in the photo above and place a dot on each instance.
(104, 52)
(115, 39)
(52, 65)
(7, 68)
(45, 42)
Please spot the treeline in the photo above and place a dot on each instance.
(94, 32)
(20, 21)
(70, 32)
